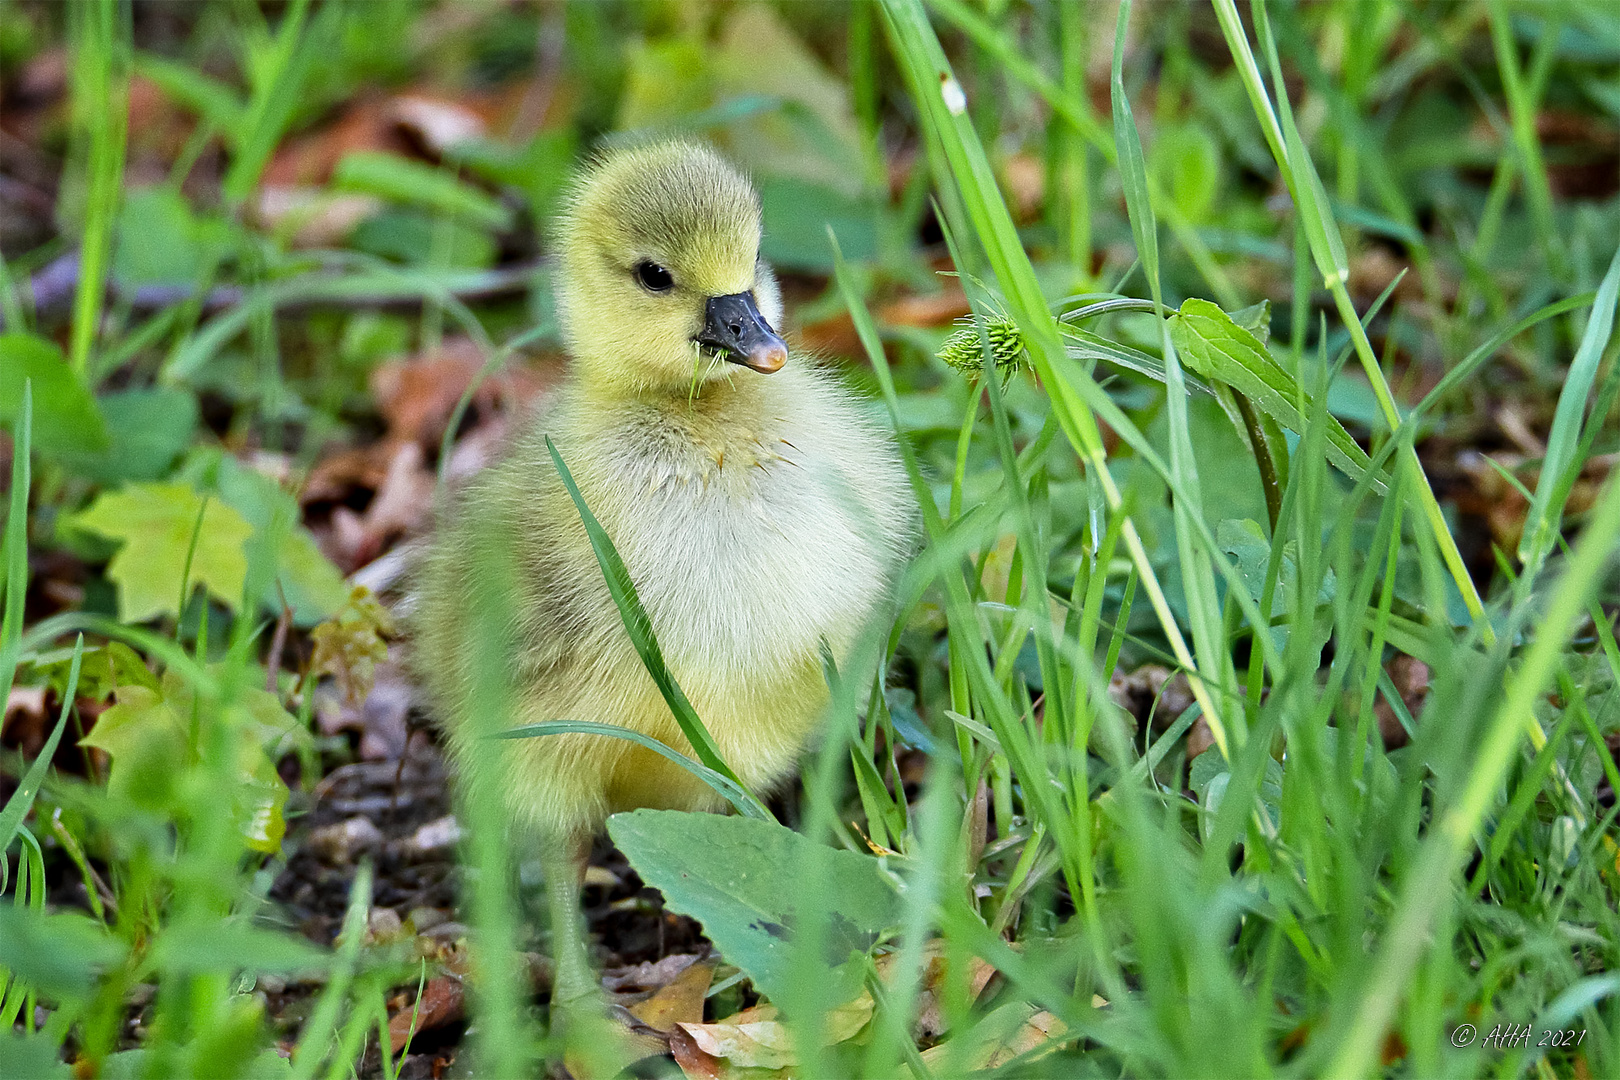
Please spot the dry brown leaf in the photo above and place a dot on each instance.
(1034, 1029)
(930, 1022)
(443, 1001)
(694, 1063)
(647, 976)
(312, 217)
(1042, 1029)
(24, 719)
(438, 122)
(679, 1002)
(765, 1044)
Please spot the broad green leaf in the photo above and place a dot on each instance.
(744, 880)
(148, 731)
(66, 420)
(1220, 350)
(148, 429)
(313, 587)
(105, 669)
(147, 740)
(411, 182)
(58, 955)
(1245, 541)
(161, 241)
(38, 1056)
(234, 945)
(156, 523)
(133, 1064)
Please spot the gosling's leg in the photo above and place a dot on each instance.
(592, 1044)
(575, 980)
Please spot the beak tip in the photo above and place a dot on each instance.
(768, 358)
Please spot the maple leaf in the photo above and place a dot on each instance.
(156, 523)
(148, 735)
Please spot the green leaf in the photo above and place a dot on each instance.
(57, 955)
(405, 181)
(37, 1055)
(148, 429)
(147, 740)
(313, 587)
(66, 419)
(105, 669)
(162, 242)
(1220, 350)
(743, 879)
(234, 945)
(148, 731)
(157, 523)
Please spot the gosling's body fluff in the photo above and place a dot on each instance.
(759, 514)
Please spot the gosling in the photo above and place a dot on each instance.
(759, 508)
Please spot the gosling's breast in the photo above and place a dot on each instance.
(746, 562)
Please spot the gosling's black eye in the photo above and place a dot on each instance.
(653, 277)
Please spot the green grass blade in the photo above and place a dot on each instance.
(734, 793)
(16, 541)
(17, 807)
(639, 626)
(1559, 467)
(1072, 392)
(100, 101)
(314, 1042)
(1450, 839)
(1197, 577)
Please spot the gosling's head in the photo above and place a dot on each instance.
(661, 281)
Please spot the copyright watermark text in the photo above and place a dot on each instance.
(1516, 1037)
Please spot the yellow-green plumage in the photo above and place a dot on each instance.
(758, 515)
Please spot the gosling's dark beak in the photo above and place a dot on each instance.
(735, 327)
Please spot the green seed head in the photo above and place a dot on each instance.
(964, 351)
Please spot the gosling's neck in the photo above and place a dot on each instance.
(731, 394)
